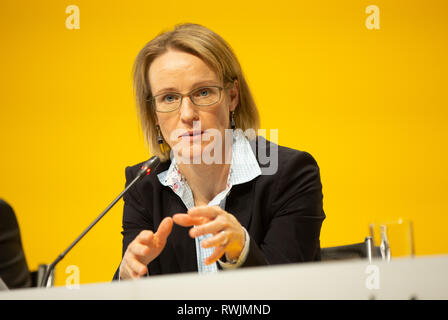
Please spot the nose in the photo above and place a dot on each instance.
(188, 112)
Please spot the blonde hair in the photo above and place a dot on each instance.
(214, 51)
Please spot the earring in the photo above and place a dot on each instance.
(232, 120)
(160, 139)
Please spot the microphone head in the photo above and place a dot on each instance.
(149, 165)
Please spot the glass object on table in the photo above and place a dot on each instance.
(393, 239)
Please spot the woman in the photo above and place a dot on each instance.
(213, 203)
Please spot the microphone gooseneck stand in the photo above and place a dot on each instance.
(149, 165)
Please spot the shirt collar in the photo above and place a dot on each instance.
(244, 166)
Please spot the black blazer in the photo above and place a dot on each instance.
(282, 213)
(13, 267)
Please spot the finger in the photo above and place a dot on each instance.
(217, 240)
(128, 272)
(139, 249)
(136, 266)
(164, 230)
(132, 274)
(145, 237)
(211, 227)
(219, 251)
(186, 220)
(206, 211)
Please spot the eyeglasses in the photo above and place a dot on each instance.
(170, 101)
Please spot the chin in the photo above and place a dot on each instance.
(206, 152)
(189, 154)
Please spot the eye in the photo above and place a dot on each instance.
(169, 98)
(203, 92)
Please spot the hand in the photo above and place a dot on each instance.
(143, 249)
(228, 237)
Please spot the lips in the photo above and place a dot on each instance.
(192, 133)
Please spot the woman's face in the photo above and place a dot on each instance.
(189, 129)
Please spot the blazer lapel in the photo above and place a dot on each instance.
(239, 202)
(182, 244)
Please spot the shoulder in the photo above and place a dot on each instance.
(148, 183)
(132, 170)
(286, 170)
(141, 195)
(279, 160)
(8, 217)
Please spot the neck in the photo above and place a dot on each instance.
(208, 180)
(199, 179)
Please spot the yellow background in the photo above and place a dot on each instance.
(369, 105)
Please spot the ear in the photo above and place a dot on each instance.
(234, 96)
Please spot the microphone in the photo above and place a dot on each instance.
(145, 170)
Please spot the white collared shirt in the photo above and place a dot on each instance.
(244, 168)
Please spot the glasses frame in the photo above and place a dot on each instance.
(182, 95)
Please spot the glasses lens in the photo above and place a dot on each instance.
(167, 102)
(205, 96)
